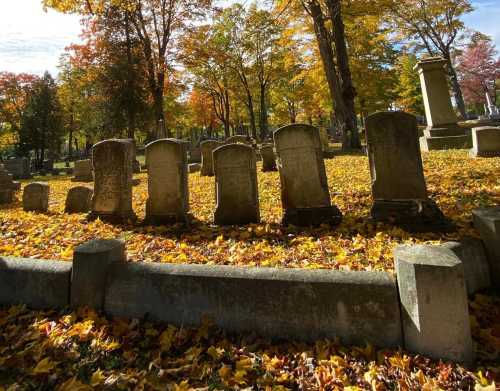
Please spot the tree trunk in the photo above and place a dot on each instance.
(263, 113)
(327, 58)
(130, 81)
(251, 115)
(455, 86)
(348, 90)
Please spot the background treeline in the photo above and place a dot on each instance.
(191, 69)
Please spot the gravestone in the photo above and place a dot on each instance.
(194, 167)
(36, 197)
(168, 200)
(443, 131)
(195, 155)
(398, 184)
(83, 171)
(237, 198)
(485, 142)
(304, 188)
(112, 199)
(7, 186)
(136, 166)
(79, 200)
(207, 147)
(268, 158)
(19, 167)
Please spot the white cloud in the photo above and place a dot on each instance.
(32, 40)
(486, 18)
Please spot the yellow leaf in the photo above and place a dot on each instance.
(182, 386)
(245, 364)
(44, 366)
(97, 378)
(215, 353)
(167, 338)
(225, 372)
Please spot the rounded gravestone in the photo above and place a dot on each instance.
(237, 198)
(36, 197)
(79, 200)
(207, 147)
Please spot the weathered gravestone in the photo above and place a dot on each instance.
(485, 142)
(19, 167)
(195, 155)
(79, 200)
(304, 187)
(36, 197)
(83, 171)
(112, 199)
(136, 166)
(168, 200)
(442, 130)
(207, 147)
(398, 184)
(236, 185)
(7, 186)
(268, 158)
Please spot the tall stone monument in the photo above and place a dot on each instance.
(485, 142)
(168, 201)
(443, 131)
(237, 198)
(207, 147)
(398, 183)
(304, 188)
(112, 199)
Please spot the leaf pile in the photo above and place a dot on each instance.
(456, 182)
(83, 351)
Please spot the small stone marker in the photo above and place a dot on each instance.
(268, 158)
(238, 139)
(91, 264)
(168, 200)
(434, 302)
(398, 184)
(112, 200)
(19, 167)
(79, 200)
(485, 142)
(304, 187)
(7, 186)
(207, 148)
(83, 171)
(36, 197)
(236, 185)
(194, 167)
(487, 222)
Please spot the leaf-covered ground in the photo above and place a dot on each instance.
(455, 181)
(79, 351)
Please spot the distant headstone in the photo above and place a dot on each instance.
(36, 197)
(304, 187)
(194, 167)
(7, 186)
(112, 199)
(238, 139)
(442, 130)
(398, 183)
(268, 158)
(168, 200)
(48, 165)
(195, 155)
(485, 142)
(79, 200)
(83, 171)
(236, 185)
(136, 166)
(19, 167)
(207, 147)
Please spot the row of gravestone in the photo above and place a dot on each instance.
(398, 183)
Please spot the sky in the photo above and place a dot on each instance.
(32, 40)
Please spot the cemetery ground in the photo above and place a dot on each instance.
(82, 350)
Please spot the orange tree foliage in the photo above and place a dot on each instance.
(456, 182)
(80, 351)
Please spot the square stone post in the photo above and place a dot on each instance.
(442, 131)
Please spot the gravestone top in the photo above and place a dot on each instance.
(485, 142)
(78, 200)
(36, 197)
(207, 147)
(236, 185)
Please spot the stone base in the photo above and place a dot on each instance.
(445, 131)
(305, 217)
(224, 218)
(411, 215)
(82, 179)
(475, 153)
(165, 220)
(123, 218)
(447, 142)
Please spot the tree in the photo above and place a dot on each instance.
(437, 25)
(41, 122)
(408, 90)
(479, 70)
